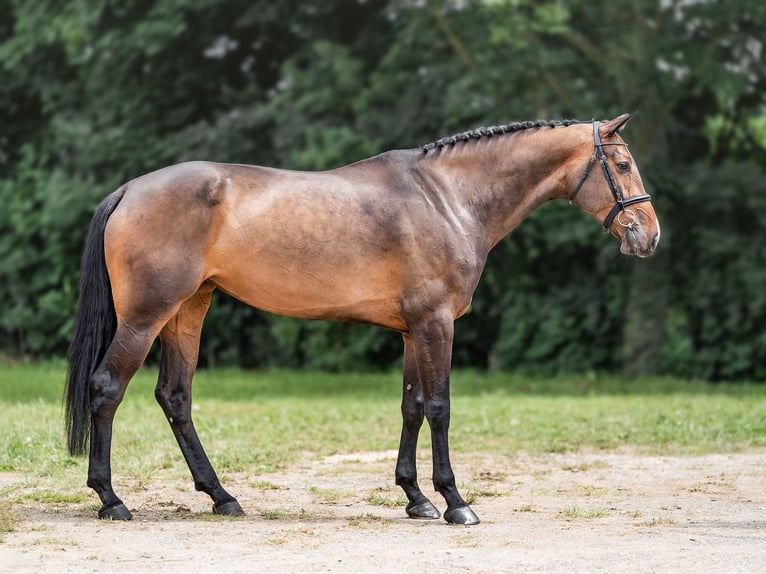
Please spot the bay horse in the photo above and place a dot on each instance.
(398, 240)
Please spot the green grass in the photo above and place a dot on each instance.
(575, 512)
(377, 499)
(330, 495)
(8, 523)
(368, 520)
(261, 421)
(54, 497)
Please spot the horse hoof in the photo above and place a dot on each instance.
(424, 511)
(461, 515)
(228, 508)
(117, 511)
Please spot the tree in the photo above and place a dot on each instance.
(95, 93)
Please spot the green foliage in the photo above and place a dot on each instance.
(718, 325)
(95, 93)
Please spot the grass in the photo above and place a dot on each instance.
(377, 499)
(659, 521)
(330, 495)
(265, 485)
(262, 421)
(54, 497)
(575, 512)
(8, 523)
(368, 520)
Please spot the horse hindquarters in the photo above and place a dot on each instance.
(94, 327)
(123, 305)
(103, 356)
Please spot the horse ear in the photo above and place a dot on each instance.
(615, 126)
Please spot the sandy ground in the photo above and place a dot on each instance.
(599, 512)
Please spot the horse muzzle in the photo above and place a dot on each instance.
(637, 242)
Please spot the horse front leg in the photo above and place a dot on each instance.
(432, 338)
(412, 419)
(180, 349)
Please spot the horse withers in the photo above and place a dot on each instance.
(398, 240)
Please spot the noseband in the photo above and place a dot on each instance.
(620, 202)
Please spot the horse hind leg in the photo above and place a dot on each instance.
(108, 383)
(180, 349)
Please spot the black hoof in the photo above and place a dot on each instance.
(424, 511)
(228, 508)
(461, 515)
(117, 511)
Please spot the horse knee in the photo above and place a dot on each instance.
(413, 412)
(437, 411)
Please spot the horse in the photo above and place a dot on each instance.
(398, 240)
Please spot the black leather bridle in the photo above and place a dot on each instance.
(620, 202)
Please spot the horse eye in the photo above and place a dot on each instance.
(623, 166)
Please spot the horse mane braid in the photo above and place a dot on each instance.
(495, 131)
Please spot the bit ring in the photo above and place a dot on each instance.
(632, 221)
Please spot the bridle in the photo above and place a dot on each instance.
(620, 202)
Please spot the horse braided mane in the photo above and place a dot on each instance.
(495, 131)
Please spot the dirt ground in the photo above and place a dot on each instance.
(600, 512)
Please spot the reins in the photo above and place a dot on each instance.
(620, 202)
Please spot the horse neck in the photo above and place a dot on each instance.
(501, 180)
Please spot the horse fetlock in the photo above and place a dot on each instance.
(212, 488)
(406, 477)
(444, 484)
(100, 484)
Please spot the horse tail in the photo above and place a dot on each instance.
(94, 327)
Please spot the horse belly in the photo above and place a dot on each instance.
(302, 291)
(324, 271)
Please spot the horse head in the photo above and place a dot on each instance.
(614, 193)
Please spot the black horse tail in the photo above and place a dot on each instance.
(94, 327)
